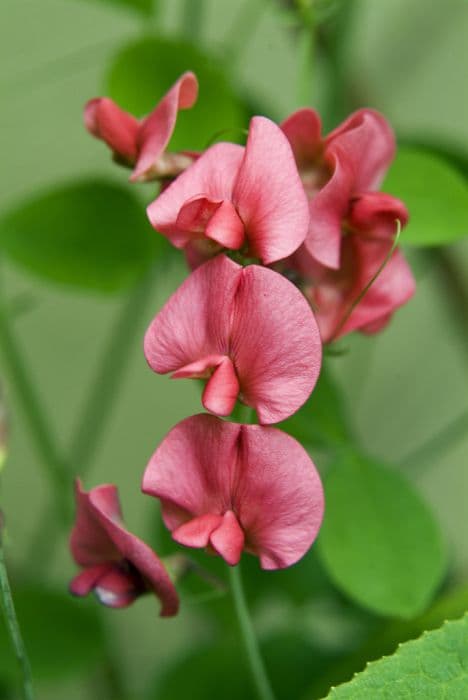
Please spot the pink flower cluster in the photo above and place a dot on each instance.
(283, 237)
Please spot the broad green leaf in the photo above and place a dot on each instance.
(92, 235)
(63, 636)
(435, 193)
(379, 541)
(143, 72)
(321, 422)
(434, 667)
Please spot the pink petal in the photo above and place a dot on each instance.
(375, 214)
(367, 142)
(194, 322)
(196, 532)
(89, 542)
(268, 194)
(302, 129)
(192, 469)
(106, 121)
(118, 589)
(222, 389)
(228, 539)
(393, 287)
(84, 582)
(279, 498)
(275, 344)
(217, 220)
(156, 130)
(134, 550)
(221, 482)
(212, 176)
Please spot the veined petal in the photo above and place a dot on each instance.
(195, 321)
(275, 344)
(303, 129)
(222, 389)
(375, 214)
(279, 497)
(268, 194)
(135, 551)
(197, 532)
(228, 539)
(211, 176)
(192, 470)
(105, 120)
(366, 140)
(156, 130)
(89, 542)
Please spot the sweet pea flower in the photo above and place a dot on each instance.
(248, 199)
(141, 144)
(117, 565)
(247, 330)
(232, 487)
(367, 241)
(352, 159)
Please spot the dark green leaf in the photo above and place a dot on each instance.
(435, 193)
(321, 422)
(92, 235)
(433, 667)
(143, 72)
(63, 636)
(379, 541)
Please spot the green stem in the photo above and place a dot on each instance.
(101, 401)
(34, 415)
(192, 18)
(244, 414)
(13, 625)
(257, 667)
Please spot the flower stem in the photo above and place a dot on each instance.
(33, 412)
(13, 625)
(257, 667)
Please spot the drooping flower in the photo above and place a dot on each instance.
(351, 160)
(141, 144)
(248, 331)
(248, 199)
(117, 565)
(368, 233)
(234, 487)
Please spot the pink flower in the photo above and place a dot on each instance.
(368, 236)
(118, 566)
(234, 487)
(248, 331)
(352, 159)
(248, 199)
(142, 144)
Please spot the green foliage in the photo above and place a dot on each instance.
(92, 235)
(435, 193)
(379, 541)
(143, 72)
(63, 636)
(321, 422)
(433, 667)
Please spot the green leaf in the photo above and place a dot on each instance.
(379, 541)
(435, 193)
(143, 72)
(93, 235)
(63, 636)
(321, 422)
(434, 667)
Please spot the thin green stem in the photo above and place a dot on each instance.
(12, 624)
(101, 401)
(193, 12)
(33, 412)
(256, 664)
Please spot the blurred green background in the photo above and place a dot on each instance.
(408, 59)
